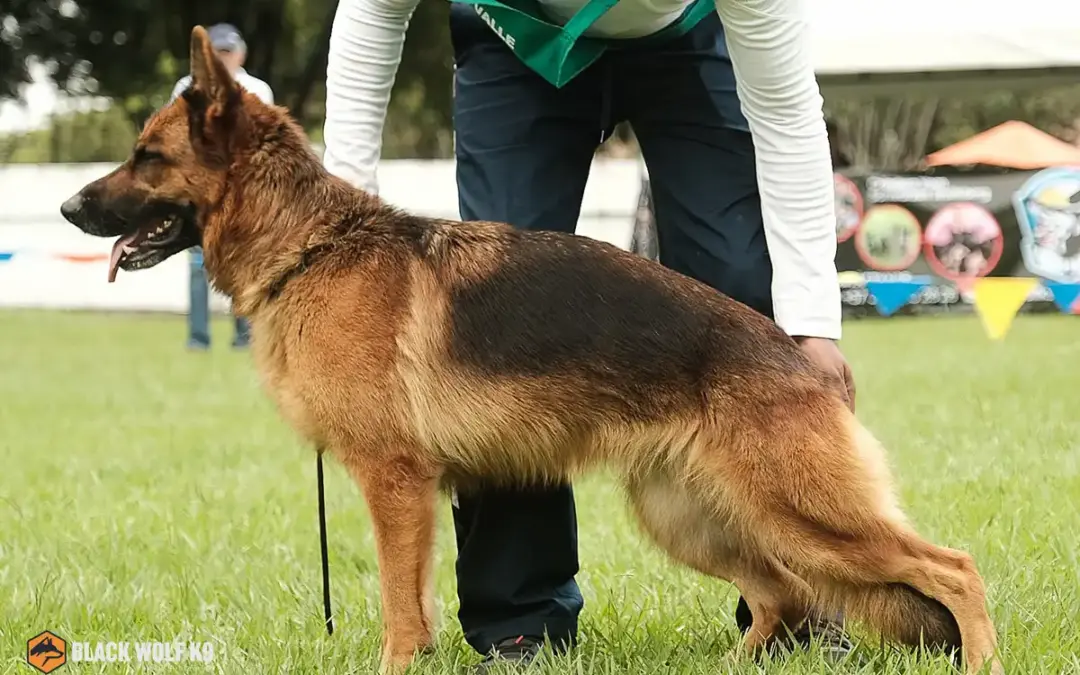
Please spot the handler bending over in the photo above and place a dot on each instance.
(725, 105)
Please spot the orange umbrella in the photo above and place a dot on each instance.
(1014, 145)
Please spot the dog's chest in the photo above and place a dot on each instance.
(275, 361)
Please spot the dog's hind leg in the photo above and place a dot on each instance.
(681, 521)
(401, 495)
(814, 485)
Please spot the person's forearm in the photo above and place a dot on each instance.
(770, 50)
(365, 51)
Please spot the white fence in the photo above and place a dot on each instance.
(43, 259)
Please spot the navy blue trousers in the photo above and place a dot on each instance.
(524, 149)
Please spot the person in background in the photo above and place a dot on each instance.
(231, 48)
(731, 126)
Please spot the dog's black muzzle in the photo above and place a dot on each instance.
(87, 214)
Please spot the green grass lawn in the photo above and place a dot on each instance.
(151, 494)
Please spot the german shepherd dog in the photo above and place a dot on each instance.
(427, 353)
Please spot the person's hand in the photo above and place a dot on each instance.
(826, 355)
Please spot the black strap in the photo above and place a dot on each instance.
(322, 544)
(307, 259)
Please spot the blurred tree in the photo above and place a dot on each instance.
(133, 51)
(419, 120)
(895, 133)
(92, 136)
(884, 133)
(1055, 110)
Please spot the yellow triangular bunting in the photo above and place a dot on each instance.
(998, 299)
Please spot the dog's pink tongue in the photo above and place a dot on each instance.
(118, 252)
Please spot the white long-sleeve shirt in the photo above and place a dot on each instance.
(769, 46)
(243, 78)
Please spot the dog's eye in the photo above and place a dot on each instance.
(145, 155)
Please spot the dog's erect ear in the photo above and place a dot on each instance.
(214, 111)
(208, 74)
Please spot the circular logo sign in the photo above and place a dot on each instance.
(962, 241)
(849, 207)
(889, 239)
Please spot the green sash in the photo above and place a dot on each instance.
(560, 53)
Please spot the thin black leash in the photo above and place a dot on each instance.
(322, 544)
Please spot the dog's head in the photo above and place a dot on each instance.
(158, 202)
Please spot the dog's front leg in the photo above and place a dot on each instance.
(401, 494)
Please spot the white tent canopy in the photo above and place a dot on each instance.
(882, 46)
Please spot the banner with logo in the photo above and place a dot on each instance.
(951, 228)
(996, 242)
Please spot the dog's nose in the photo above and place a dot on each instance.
(71, 208)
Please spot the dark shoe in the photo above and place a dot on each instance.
(835, 645)
(519, 651)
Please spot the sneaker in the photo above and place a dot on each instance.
(519, 651)
(196, 346)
